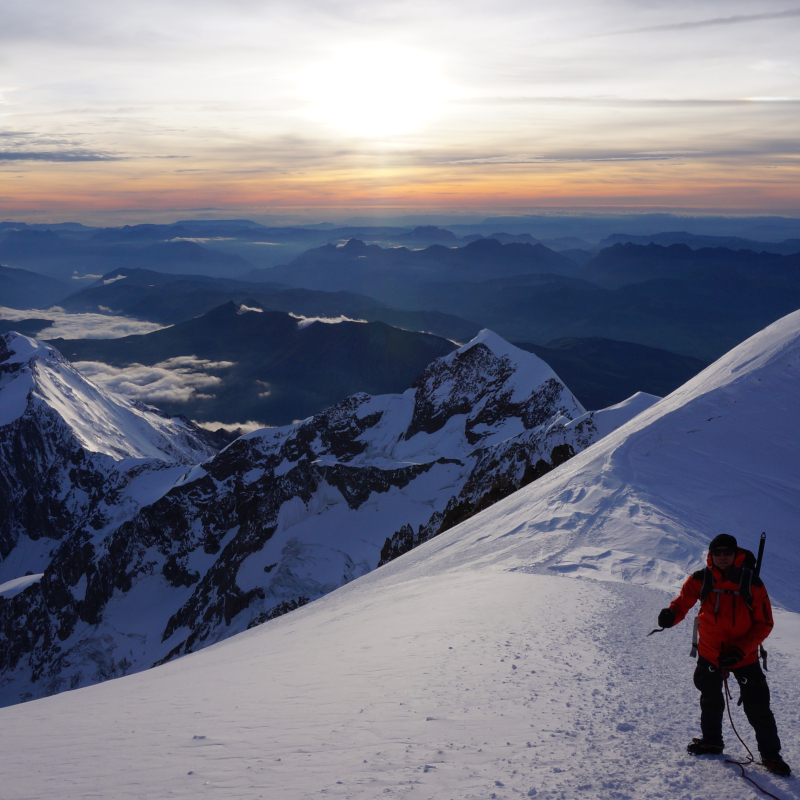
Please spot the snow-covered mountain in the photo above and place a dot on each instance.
(506, 657)
(283, 516)
(74, 456)
(75, 462)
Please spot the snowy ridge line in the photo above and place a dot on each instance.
(32, 373)
(726, 463)
(459, 683)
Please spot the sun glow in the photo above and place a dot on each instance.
(376, 90)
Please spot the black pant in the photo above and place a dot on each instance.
(754, 697)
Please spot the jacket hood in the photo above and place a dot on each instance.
(738, 559)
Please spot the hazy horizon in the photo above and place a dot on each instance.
(543, 223)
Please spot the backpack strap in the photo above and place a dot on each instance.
(707, 577)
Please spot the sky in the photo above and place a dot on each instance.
(311, 108)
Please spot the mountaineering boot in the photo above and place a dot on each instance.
(697, 747)
(777, 766)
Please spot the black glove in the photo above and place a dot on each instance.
(731, 658)
(666, 618)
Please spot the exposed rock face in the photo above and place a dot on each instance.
(283, 516)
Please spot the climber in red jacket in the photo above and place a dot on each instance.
(735, 617)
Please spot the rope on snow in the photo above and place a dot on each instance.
(751, 760)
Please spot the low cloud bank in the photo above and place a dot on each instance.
(304, 322)
(175, 380)
(245, 427)
(80, 326)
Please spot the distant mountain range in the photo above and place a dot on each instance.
(52, 254)
(20, 288)
(65, 249)
(695, 302)
(168, 299)
(698, 303)
(697, 241)
(625, 264)
(280, 369)
(387, 274)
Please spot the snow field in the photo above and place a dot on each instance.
(428, 687)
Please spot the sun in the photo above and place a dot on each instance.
(376, 90)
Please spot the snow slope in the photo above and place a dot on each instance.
(489, 661)
(720, 454)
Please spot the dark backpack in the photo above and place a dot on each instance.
(744, 575)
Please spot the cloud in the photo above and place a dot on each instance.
(736, 19)
(195, 82)
(176, 380)
(243, 309)
(304, 322)
(608, 101)
(523, 159)
(202, 239)
(62, 156)
(80, 326)
(245, 427)
(30, 146)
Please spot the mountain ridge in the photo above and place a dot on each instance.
(282, 516)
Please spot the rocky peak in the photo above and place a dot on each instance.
(492, 383)
(74, 457)
(17, 349)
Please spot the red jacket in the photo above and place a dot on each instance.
(732, 624)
